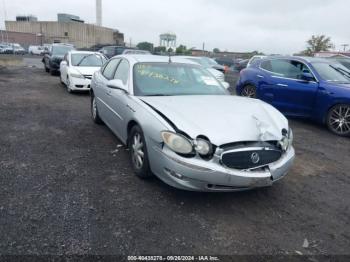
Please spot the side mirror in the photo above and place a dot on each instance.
(117, 84)
(307, 76)
(226, 85)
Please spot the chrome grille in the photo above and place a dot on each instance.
(243, 158)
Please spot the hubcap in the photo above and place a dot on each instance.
(94, 108)
(249, 91)
(340, 119)
(137, 151)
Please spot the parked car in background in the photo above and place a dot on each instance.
(136, 52)
(110, 51)
(242, 64)
(302, 87)
(18, 49)
(210, 66)
(78, 67)
(255, 58)
(180, 124)
(225, 61)
(5, 49)
(53, 57)
(36, 50)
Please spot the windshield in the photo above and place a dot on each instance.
(93, 60)
(61, 50)
(332, 72)
(204, 61)
(164, 79)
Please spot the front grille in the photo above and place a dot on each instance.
(88, 76)
(243, 158)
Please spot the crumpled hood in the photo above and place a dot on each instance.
(223, 119)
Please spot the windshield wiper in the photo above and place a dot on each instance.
(341, 70)
(83, 59)
(158, 95)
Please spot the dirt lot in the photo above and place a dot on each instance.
(64, 191)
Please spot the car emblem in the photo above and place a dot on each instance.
(255, 158)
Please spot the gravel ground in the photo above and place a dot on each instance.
(67, 189)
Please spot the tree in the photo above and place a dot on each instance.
(160, 49)
(182, 50)
(216, 50)
(317, 44)
(170, 50)
(145, 46)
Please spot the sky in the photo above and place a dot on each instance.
(269, 26)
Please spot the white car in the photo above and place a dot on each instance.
(77, 68)
(36, 50)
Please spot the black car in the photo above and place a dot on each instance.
(53, 57)
(110, 51)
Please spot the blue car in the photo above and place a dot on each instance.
(313, 88)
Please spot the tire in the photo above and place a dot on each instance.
(69, 90)
(138, 153)
(52, 72)
(94, 111)
(249, 91)
(338, 120)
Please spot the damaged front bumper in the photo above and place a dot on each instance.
(196, 174)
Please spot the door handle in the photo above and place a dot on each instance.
(260, 76)
(282, 85)
(109, 93)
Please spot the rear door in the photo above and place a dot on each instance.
(289, 93)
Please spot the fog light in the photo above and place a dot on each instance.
(173, 173)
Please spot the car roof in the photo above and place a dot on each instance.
(304, 59)
(84, 52)
(156, 59)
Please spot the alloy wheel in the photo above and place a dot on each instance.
(339, 120)
(137, 151)
(249, 91)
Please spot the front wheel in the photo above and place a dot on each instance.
(138, 153)
(338, 120)
(94, 111)
(249, 91)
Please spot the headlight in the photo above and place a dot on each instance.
(76, 75)
(177, 143)
(203, 147)
(287, 140)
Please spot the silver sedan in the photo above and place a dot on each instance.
(181, 125)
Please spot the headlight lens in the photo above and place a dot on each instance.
(177, 143)
(203, 147)
(287, 141)
(76, 75)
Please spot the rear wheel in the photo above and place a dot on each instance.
(338, 120)
(249, 91)
(138, 153)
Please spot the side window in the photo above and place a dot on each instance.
(286, 68)
(109, 69)
(122, 72)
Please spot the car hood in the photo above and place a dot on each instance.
(222, 119)
(86, 70)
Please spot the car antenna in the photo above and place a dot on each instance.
(170, 58)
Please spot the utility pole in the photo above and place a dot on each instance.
(344, 46)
